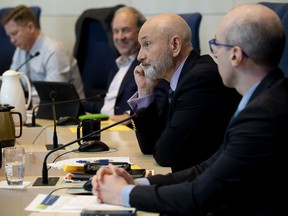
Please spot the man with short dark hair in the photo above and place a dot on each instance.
(54, 63)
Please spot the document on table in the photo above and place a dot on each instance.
(77, 164)
(57, 203)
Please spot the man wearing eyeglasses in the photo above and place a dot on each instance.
(247, 175)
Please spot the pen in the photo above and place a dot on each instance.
(82, 161)
(95, 161)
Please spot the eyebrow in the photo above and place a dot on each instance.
(145, 37)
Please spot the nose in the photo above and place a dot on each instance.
(122, 35)
(12, 40)
(141, 55)
(119, 35)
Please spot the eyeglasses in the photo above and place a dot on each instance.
(213, 44)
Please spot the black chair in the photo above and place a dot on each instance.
(7, 49)
(282, 10)
(94, 49)
(194, 20)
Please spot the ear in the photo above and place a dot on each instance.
(31, 26)
(175, 44)
(236, 56)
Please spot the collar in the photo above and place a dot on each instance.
(37, 45)
(176, 75)
(246, 97)
(122, 62)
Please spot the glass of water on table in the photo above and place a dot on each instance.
(14, 161)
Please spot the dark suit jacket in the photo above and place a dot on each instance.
(246, 176)
(193, 127)
(127, 89)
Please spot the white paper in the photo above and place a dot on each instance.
(70, 204)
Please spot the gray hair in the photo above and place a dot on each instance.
(262, 41)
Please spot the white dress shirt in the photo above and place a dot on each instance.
(111, 96)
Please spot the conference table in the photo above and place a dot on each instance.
(121, 140)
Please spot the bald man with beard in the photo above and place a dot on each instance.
(191, 127)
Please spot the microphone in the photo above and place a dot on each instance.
(28, 59)
(33, 120)
(52, 181)
(53, 95)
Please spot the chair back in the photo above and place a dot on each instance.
(94, 49)
(7, 48)
(282, 10)
(194, 20)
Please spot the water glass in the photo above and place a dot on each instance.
(14, 161)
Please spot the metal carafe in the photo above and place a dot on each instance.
(12, 93)
(7, 126)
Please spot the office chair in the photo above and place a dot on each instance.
(282, 10)
(7, 48)
(94, 49)
(194, 20)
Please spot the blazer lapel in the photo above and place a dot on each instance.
(129, 75)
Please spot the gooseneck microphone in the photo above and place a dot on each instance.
(53, 95)
(27, 60)
(45, 181)
(33, 120)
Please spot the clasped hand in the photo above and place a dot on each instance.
(108, 184)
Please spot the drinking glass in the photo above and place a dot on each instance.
(14, 161)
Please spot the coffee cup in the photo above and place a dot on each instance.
(89, 126)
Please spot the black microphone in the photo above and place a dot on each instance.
(33, 120)
(45, 181)
(28, 59)
(53, 95)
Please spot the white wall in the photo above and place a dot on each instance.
(58, 17)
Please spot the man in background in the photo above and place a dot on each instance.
(125, 25)
(54, 62)
(247, 175)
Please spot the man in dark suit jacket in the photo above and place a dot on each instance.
(191, 128)
(126, 24)
(247, 175)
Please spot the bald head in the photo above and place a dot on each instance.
(168, 25)
(257, 30)
(165, 42)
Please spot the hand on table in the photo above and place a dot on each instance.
(108, 184)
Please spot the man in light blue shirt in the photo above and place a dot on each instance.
(54, 63)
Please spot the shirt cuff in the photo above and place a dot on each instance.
(142, 181)
(137, 103)
(125, 193)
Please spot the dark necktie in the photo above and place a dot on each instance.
(170, 94)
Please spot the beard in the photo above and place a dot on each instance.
(158, 70)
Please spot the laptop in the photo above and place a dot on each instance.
(63, 92)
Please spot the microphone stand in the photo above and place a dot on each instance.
(55, 138)
(52, 181)
(25, 62)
